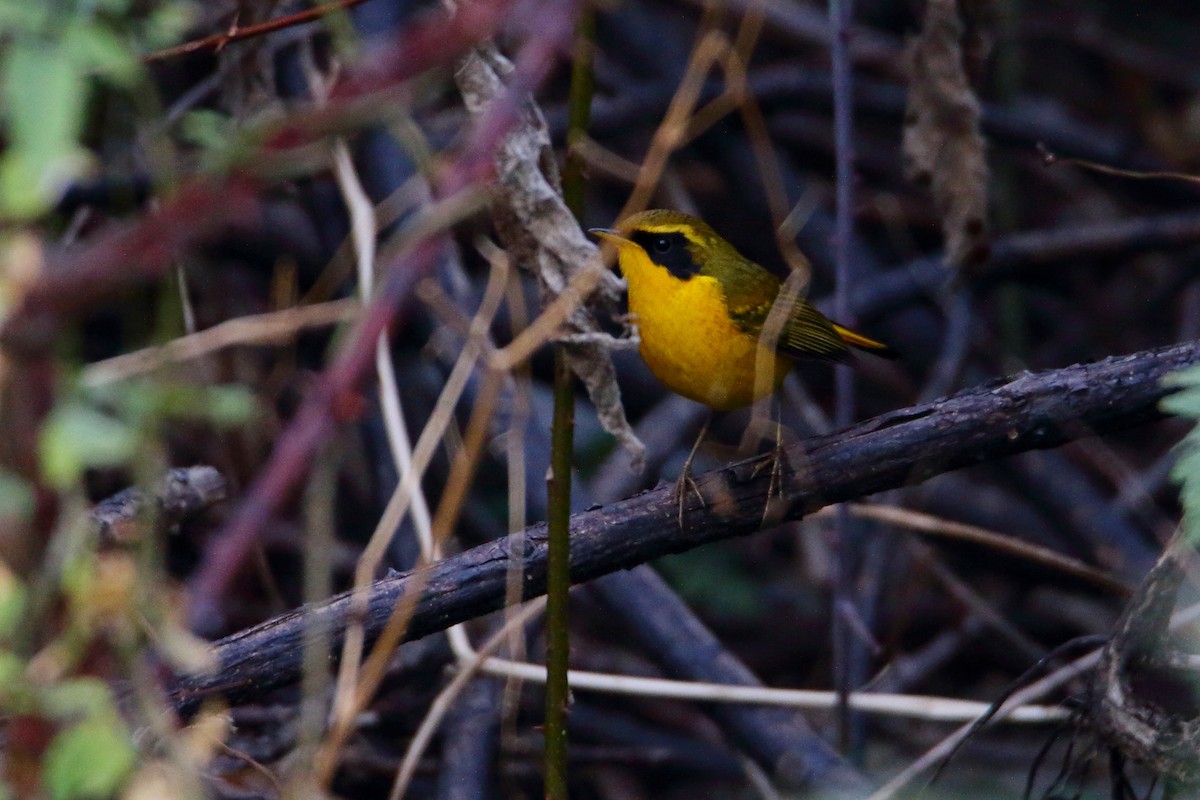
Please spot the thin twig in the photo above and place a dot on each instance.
(218, 41)
(350, 695)
(845, 654)
(1050, 159)
(445, 699)
(938, 526)
(935, 709)
(363, 226)
(1031, 693)
(274, 327)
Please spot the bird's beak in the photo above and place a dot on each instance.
(607, 235)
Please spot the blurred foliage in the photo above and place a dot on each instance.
(1186, 472)
(68, 631)
(713, 581)
(90, 616)
(107, 427)
(54, 55)
(70, 738)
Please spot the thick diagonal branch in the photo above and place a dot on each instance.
(904, 447)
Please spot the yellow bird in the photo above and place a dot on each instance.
(700, 307)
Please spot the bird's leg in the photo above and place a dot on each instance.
(772, 460)
(685, 481)
(775, 462)
(775, 487)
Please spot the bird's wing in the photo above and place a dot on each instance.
(805, 334)
(808, 334)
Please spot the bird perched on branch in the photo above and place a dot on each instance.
(702, 309)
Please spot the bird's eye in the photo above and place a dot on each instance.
(662, 244)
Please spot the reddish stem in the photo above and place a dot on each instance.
(236, 34)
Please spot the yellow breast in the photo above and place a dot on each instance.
(688, 340)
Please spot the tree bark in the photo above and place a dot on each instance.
(904, 447)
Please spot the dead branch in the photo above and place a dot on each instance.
(904, 447)
(183, 493)
(779, 739)
(1141, 704)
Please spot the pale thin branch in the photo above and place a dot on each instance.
(357, 682)
(938, 709)
(931, 525)
(275, 327)
(758, 778)
(397, 507)
(674, 131)
(468, 669)
(364, 225)
(1030, 693)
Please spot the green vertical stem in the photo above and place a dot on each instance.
(580, 110)
(561, 445)
(1007, 187)
(558, 579)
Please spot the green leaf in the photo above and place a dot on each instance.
(230, 405)
(16, 497)
(45, 94)
(89, 760)
(78, 698)
(21, 16)
(98, 49)
(1183, 404)
(30, 183)
(146, 402)
(1186, 402)
(210, 130)
(15, 697)
(13, 595)
(134, 401)
(1186, 472)
(1188, 376)
(167, 23)
(76, 437)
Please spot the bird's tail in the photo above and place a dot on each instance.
(861, 342)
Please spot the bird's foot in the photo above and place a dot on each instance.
(685, 484)
(685, 481)
(774, 461)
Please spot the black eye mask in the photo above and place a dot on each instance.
(668, 250)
